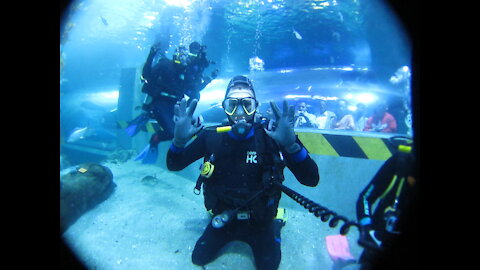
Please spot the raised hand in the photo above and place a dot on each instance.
(185, 126)
(283, 133)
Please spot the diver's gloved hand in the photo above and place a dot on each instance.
(367, 238)
(185, 125)
(214, 74)
(155, 47)
(283, 134)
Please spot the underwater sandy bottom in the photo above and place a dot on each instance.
(155, 226)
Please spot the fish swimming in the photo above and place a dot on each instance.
(104, 21)
(297, 35)
(94, 133)
(340, 16)
(150, 180)
(77, 134)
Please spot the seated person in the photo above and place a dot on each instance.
(325, 118)
(303, 118)
(346, 121)
(381, 120)
(359, 117)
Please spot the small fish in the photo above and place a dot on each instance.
(297, 35)
(340, 16)
(104, 21)
(150, 180)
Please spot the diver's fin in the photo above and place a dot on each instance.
(137, 124)
(149, 155)
(132, 130)
(338, 249)
(122, 124)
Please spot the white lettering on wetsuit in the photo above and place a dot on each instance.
(251, 157)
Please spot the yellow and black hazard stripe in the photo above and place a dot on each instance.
(347, 145)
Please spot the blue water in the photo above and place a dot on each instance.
(310, 50)
(333, 49)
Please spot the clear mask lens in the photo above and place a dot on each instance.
(230, 105)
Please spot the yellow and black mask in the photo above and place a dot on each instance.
(240, 103)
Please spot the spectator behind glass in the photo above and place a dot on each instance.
(267, 113)
(346, 121)
(359, 117)
(381, 120)
(325, 118)
(303, 118)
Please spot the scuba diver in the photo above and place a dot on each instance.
(240, 163)
(395, 188)
(193, 78)
(165, 83)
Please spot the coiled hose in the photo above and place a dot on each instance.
(324, 213)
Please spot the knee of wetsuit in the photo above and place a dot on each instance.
(199, 257)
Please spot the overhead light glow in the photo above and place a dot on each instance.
(149, 17)
(179, 3)
(366, 98)
(298, 96)
(324, 97)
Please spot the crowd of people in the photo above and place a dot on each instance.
(342, 118)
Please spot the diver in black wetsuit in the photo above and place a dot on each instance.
(396, 189)
(193, 78)
(165, 83)
(244, 161)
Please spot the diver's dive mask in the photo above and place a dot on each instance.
(241, 112)
(240, 105)
(249, 105)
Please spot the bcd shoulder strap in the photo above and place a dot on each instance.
(213, 143)
(269, 157)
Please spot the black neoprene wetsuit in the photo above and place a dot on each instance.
(164, 85)
(161, 83)
(237, 175)
(394, 187)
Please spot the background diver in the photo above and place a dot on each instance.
(395, 188)
(165, 83)
(238, 167)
